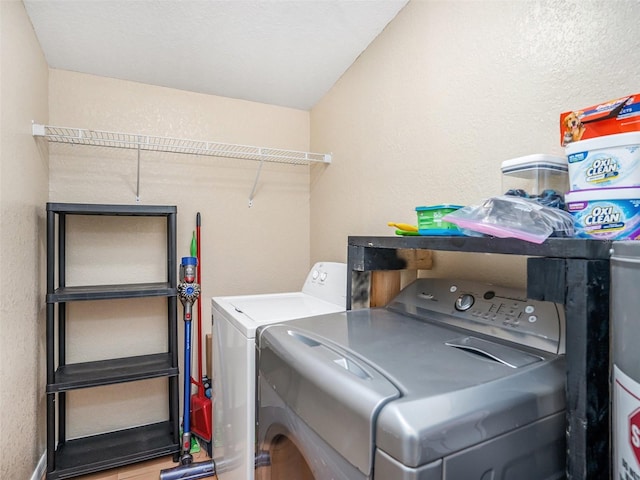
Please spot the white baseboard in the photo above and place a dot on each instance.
(38, 473)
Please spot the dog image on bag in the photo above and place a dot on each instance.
(573, 128)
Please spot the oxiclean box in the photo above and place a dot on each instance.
(606, 213)
(612, 161)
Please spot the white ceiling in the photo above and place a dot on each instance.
(280, 52)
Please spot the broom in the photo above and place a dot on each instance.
(201, 414)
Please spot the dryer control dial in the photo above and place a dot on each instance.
(464, 302)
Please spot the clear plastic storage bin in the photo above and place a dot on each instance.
(534, 174)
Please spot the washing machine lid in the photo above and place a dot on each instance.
(333, 392)
(248, 312)
(419, 430)
(449, 398)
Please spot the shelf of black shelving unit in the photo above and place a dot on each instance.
(89, 454)
(109, 372)
(109, 450)
(107, 292)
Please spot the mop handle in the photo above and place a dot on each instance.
(199, 277)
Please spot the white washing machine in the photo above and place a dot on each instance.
(235, 320)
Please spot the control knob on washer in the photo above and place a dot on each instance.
(464, 302)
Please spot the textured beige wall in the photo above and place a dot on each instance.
(23, 193)
(448, 91)
(264, 248)
(245, 250)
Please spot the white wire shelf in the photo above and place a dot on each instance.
(100, 138)
(151, 143)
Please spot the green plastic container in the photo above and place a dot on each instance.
(430, 220)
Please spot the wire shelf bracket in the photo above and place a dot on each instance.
(151, 143)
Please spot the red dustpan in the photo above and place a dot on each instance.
(201, 414)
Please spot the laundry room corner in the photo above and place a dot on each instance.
(319, 239)
(262, 247)
(442, 96)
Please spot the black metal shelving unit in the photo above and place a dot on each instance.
(80, 456)
(572, 272)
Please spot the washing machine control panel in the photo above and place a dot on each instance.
(488, 309)
(328, 281)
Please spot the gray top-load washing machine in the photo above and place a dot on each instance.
(452, 380)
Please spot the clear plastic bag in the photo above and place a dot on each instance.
(506, 216)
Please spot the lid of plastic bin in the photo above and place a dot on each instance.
(606, 141)
(437, 207)
(532, 163)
